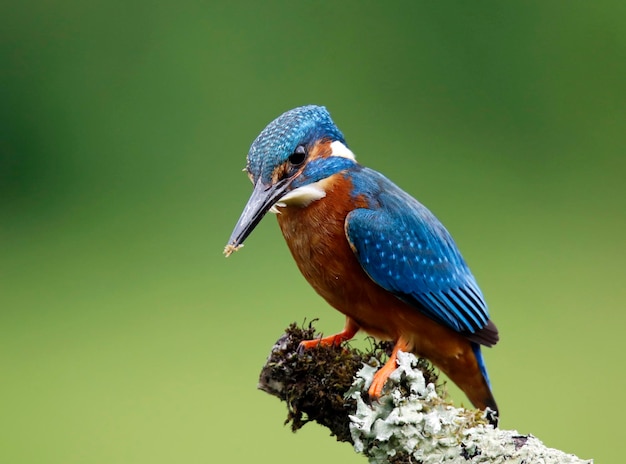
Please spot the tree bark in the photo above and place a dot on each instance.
(411, 423)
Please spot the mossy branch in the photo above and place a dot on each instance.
(412, 422)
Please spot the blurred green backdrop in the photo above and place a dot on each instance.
(126, 337)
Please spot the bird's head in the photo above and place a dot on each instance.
(286, 163)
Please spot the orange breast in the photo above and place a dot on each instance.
(316, 237)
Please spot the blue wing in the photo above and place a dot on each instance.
(405, 249)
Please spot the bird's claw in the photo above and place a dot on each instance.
(308, 344)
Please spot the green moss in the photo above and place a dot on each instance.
(314, 383)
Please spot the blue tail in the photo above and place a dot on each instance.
(490, 401)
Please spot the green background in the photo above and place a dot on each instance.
(126, 337)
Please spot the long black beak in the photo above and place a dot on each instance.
(262, 199)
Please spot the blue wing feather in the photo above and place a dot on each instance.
(405, 249)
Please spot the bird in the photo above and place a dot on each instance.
(371, 250)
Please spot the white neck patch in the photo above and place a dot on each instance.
(302, 196)
(339, 149)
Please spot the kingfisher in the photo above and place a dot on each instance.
(370, 249)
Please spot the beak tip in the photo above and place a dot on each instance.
(230, 249)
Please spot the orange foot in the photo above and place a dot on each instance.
(349, 331)
(380, 378)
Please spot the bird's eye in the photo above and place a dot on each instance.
(298, 156)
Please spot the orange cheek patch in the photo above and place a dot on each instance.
(321, 149)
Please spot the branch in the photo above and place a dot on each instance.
(412, 422)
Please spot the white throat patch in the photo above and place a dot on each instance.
(302, 196)
(339, 149)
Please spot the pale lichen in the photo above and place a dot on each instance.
(413, 424)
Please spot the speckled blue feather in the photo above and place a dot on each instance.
(303, 125)
(405, 249)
